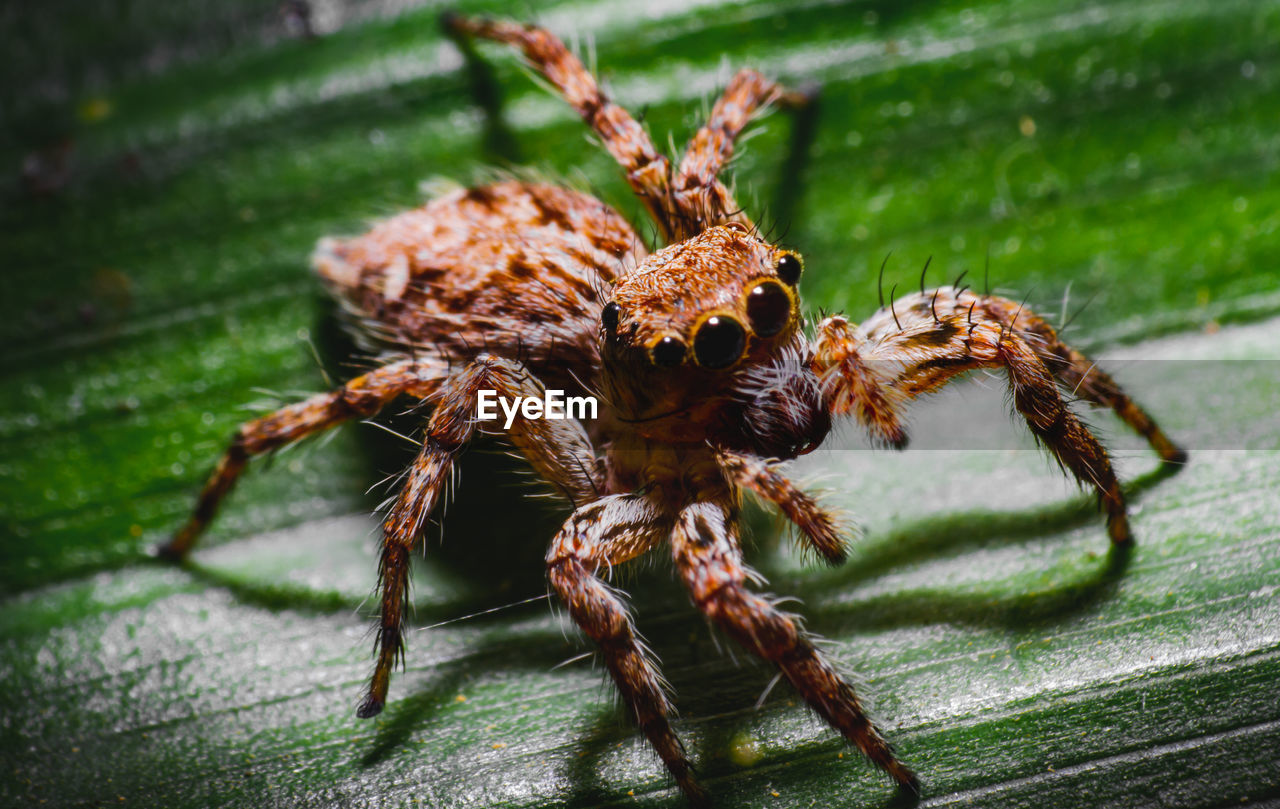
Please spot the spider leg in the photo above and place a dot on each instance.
(707, 556)
(816, 524)
(360, 398)
(936, 335)
(701, 200)
(853, 387)
(608, 531)
(648, 171)
(557, 448)
(1080, 374)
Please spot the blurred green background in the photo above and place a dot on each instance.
(168, 167)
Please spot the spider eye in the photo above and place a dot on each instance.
(719, 342)
(789, 268)
(609, 317)
(768, 308)
(667, 352)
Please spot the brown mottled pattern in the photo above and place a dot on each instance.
(648, 172)
(925, 339)
(700, 199)
(514, 286)
(558, 449)
(673, 295)
(594, 538)
(513, 268)
(853, 387)
(1082, 375)
(361, 397)
(705, 548)
(816, 524)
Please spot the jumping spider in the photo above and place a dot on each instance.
(707, 375)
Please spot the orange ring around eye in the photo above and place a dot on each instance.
(719, 340)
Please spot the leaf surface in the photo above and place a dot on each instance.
(1123, 154)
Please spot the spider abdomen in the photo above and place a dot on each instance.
(450, 274)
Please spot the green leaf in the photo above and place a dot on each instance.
(1126, 153)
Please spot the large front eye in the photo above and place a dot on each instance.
(719, 342)
(768, 308)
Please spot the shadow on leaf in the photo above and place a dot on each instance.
(953, 534)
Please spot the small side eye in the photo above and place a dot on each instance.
(719, 342)
(667, 352)
(789, 268)
(768, 308)
(609, 317)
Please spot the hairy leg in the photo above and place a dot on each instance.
(925, 340)
(701, 200)
(648, 172)
(816, 524)
(1036, 397)
(705, 548)
(1081, 375)
(360, 398)
(609, 531)
(853, 387)
(558, 449)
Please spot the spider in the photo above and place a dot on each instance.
(709, 379)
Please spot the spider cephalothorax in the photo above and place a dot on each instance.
(709, 379)
(692, 338)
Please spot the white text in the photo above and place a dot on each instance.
(553, 405)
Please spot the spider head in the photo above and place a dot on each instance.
(712, 304)
(688, 335)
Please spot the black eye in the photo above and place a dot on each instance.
(789, 268)
(609, 317)
(768, 309)
(668, 352)
(719, 342)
